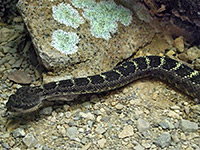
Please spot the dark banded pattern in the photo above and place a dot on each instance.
(177, 74)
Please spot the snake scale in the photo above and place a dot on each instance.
(182, 77)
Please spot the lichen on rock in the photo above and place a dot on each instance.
(103, 16)
(65, 42)
(83, 3)
(66, 14)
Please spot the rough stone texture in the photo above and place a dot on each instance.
(164, 140)
(166, 124)
(181, 17)
(72, 132)
(188, 126)
(193, 53)
(142, 125)
(126, 132)
(178, 18)
(19, 77)
(101, 142)
(29, 140)
(19, 132)
(102, 54)
(46, 111)
(87, 115)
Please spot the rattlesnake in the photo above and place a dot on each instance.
(184, 78)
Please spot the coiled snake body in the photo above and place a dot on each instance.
(184, 78)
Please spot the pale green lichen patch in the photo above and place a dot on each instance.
(124, 16)
(66, 14)
(65, 42)
(103, 16)
(83, 3)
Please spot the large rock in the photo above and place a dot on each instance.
(85, 36)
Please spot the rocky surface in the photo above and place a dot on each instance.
(146, 114)
(101, 51)
(180, 17)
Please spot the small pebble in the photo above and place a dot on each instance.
(179, 44)
(19, 77)
(173, 114)
(19, 132)
(101, 142)
(126, 132)
(88, 115)
(175, 107)
(166, 124)
(66, 107)
(164, 140)
(18, 63)
(99, 118)
(6, 135)
(86, 105)
(142, 125)
(175, 138)
(16, 148)
(186, 109)
(5, 145)
(99, 129)
(193, 53)
(119, 106)
(46, 111)
(170, 52)
(12, 61)
(72, 133)
(68, 114)
(188, 126)
(29, 140)
(146, 145)
(138, 147)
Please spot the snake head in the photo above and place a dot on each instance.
(26, 99)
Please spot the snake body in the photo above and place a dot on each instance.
(184, 78)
